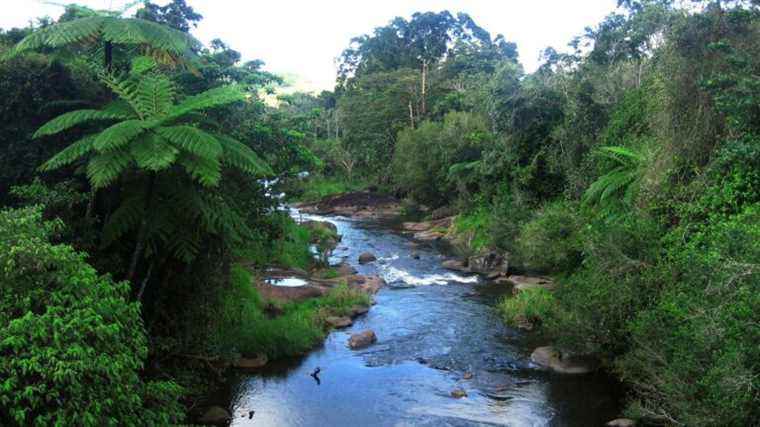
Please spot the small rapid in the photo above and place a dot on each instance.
(435, 329)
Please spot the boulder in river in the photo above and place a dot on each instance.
(621, 422)
(458, 393)
(358, 310)
(339, 322)
(550, 358)
(488, 263)
(362, 339)
(344, 269)
(456, 265)
(215, 415)
(366, 258)
(429, 236)
(417, 226)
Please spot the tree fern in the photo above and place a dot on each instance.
(620, 183)
(155, 139)
(162, 42)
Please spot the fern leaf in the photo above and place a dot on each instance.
(204, 170)
(70, 154)
(103, 169)
(155, 94)
(68, 120)
(240, 156)
(153, 153)
(193, 140)
(119, 135)
(211, 98)
(125, 218)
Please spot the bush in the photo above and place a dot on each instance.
(551, 242)
(71, 344)
(597, 302)
(695, 358)
(531, 305)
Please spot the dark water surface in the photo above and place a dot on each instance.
(433, 326)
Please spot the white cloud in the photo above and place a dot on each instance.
(304, 37)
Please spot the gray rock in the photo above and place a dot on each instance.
(339, 322)
(550, 358)
(247, 363)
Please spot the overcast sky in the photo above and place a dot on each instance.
(304, 37)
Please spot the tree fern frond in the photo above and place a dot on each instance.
(204, 170)
(193, 140)
(120, 107)
(126, 218)
(240, 156)
(104, 168)
(155, 94)
(125, 89)
(153, 153)
(68, 120)
(209, 99)
(70, 154)
(119, 135)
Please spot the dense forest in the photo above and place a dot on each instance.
(136, 168)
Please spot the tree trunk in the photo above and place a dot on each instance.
(411, 114)
(423, 106)
(142, 234)
(108, 56)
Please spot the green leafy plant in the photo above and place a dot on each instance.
(618, 185)
(148, 138)
(71, 344)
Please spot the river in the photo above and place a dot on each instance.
(433, 327)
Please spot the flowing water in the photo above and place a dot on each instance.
(433, 326)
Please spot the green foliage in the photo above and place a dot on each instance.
(694, 356)
(169, 44)
(72, 345)
(551, 242)
(531, 305)
(474, 228)
(618, 185)
(316, 188)
(240, 324)
(437, 161)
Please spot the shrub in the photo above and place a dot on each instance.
(551, 242)
(71, 344)
(532, 305)
(695, 358)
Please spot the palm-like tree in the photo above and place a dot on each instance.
(148, 137)
(622, 181)
(104, 30)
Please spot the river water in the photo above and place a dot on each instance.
(433, 326)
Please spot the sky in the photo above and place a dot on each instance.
(303, 37)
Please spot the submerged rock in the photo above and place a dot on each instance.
(467, 376)
(215, 415)
(550, 358)
(362, 339)
(367, 257)
(339, 322)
